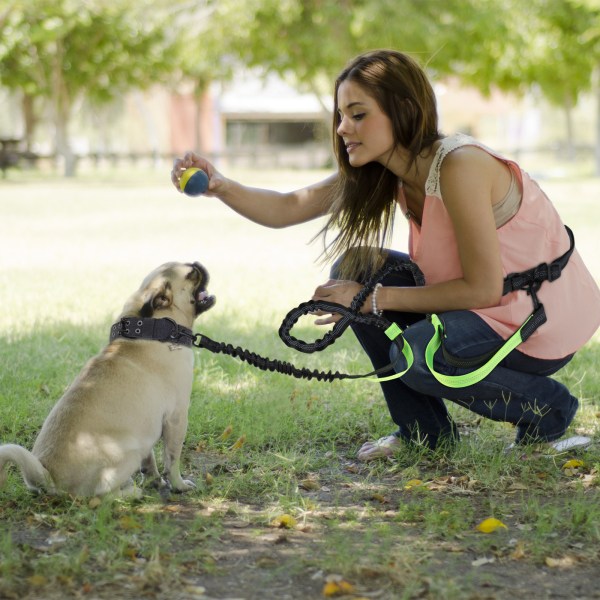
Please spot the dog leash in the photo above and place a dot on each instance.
(348, 315)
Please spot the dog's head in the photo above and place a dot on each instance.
(174, 290)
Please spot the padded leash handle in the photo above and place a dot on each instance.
(312, 306)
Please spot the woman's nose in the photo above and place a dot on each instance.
(343, 126)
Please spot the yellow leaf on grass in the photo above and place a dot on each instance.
(284, 522)
(412, 483)
(238, 443)
(574, 463)
(333, 589)
(490, 525)
(226, 432)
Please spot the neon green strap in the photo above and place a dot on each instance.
(459, 381)
(393, 331)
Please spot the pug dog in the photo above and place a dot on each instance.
(127, 398)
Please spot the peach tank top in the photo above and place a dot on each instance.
(532, 235)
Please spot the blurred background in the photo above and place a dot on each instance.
(87, 85)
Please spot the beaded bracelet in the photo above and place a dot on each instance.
(375, 310)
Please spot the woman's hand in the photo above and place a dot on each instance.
(338, 291)
(216, 181)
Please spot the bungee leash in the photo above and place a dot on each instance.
(167, 330)
(348, 315)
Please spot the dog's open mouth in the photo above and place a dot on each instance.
(203, 300)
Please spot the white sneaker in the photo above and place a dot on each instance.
(572, 443)
(382, 448)
(577, 441)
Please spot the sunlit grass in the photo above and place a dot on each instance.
(70, 254)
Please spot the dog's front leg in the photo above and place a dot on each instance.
(174, 431)
(150, 471)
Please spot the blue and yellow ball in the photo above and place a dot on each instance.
(193, 182)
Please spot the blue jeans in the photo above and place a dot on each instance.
(518, 391)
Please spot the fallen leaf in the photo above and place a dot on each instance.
(309, 484)
(560, 563)
(333, 589)
(284, 521)
(239, 443)
(517, 487)
(412, 483)
(490, 525)
(484, 560)
(571, 467)
(519, 552)
(195, 590)
(226, 432)
(379, 498)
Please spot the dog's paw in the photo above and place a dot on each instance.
(185, 485)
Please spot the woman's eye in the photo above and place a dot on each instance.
(359, 116)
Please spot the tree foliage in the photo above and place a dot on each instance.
(65, 50)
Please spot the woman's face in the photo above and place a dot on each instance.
(365, 129)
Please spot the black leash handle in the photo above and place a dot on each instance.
(348, 316)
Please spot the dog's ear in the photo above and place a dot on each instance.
(156, 300)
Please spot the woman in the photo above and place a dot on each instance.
(474, 218)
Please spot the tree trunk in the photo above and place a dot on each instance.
(62, 110)
(27, 106)
(570, 142)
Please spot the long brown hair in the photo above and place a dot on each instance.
(364, 198)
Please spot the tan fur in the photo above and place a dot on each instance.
(125, 400)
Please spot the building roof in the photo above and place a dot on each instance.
(254, 96)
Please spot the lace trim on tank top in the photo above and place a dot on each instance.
(504, 210)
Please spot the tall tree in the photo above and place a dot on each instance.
(65, 50)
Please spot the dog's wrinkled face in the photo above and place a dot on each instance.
(175, 290)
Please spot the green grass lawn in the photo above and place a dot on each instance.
(70, 254)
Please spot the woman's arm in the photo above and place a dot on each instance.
(266, 207)
(471, 181)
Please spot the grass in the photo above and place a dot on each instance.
(71, 252)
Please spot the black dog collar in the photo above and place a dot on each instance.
(161, 330)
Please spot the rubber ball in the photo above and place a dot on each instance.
(193, 181)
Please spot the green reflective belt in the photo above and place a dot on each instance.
(460, 381)
(393, 331)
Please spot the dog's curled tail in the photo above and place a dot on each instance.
(34, 473)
